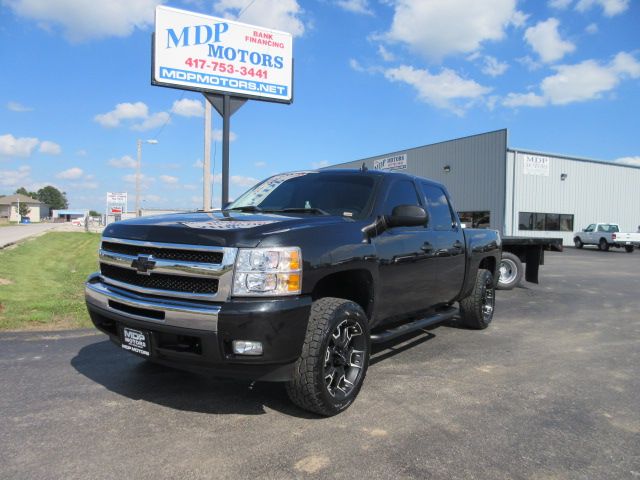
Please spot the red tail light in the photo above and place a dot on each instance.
(613, 236)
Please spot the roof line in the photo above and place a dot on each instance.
(570, 157)
(422, 146)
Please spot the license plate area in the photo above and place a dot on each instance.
(136, 341)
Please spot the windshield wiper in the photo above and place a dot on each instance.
(318, 211)
(247, 208)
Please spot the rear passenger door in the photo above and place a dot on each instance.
(448, 243)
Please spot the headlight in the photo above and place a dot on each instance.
(268, 272)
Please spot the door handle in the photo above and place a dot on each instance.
(426, 247)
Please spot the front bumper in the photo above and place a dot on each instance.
(197, 335)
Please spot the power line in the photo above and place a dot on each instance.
(168, 119)
(245, 8)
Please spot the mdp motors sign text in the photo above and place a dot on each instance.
(209, 54)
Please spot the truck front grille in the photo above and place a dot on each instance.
(164, 253)
(197, 272)
(159, 281)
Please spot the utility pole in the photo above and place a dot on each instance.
(138, 177)
(206, 164)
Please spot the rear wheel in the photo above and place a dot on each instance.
(629, 248)
(510, 271)
(578, 243)
(603, 244)
(476, 311)
(334, 360)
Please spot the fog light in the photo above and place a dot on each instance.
(246, 347)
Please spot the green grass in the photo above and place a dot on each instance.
(41, 281)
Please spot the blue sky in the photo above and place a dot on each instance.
(371, 76)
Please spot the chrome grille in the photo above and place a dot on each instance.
(169, 270)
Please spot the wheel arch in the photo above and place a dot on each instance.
(356, 285)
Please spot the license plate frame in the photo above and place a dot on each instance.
(136, 341)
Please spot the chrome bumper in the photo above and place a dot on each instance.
(176, 313)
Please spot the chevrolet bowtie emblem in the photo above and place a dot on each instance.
(144, 264)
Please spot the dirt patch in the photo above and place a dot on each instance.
(5, 281)
(312, 464)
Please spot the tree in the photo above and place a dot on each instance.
(93, 213)
(24, 191)
(53, 197)
(23, 209)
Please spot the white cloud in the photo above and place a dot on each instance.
(145, 181)
(82, 20)
(260, 164)
(14, 178)
(524, 100)
(355, 6)
(560, 4)
(168, 179)
(73, 173)
(153, 121)
(442, 90)
(635, 161)
(11, 146)
(545, 40)
(581, 82)
(123, 111)
(493, 67)
(242, 181)
(86, 184)
(592, 28)
(610, 7)
(277, 14)
(438, 28)
(320, 164)
(199, 163)
(18, 107)
(125, 161)
(188, 108)
(216, 136)
(385, 54)
(50, 148)
(355, 65)
(81, 153)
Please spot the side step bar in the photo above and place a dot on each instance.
(405, 328)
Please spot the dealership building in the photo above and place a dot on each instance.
(521, 192)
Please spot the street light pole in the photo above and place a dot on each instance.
(138, 168)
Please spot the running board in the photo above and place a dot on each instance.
(405, 328)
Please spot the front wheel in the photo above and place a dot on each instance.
(578, 243)
(334, 360)
(476, 311)
(629, 248)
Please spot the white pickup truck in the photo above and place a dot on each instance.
(606, 235)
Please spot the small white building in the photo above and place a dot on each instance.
(10, 208)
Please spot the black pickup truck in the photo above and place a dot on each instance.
(294, 280)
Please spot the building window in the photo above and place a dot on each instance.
(549, 222)
(475, 219)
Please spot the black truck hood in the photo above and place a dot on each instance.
(224, 229)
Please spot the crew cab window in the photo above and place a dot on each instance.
(438, 206)
(609, 228)
(402, 192)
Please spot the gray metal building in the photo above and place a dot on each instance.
(522, 192)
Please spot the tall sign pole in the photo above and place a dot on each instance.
(229, 62)
(206, 163)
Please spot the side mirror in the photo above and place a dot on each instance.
(407, 216)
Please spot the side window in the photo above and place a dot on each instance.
(401, 193)
(590, 228)
(438, 206)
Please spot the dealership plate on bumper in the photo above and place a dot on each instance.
(136, 341)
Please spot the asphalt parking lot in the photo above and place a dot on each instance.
(550, 391)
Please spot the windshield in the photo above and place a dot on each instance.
(341, 194)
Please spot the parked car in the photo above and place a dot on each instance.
(605, 236)
(293, 281)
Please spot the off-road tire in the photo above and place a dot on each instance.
(578, 243)
(514, 272)
(308, 389)
(603, 245)
(474, 310)
(629, 248)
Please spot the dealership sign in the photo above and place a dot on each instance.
(396, 162)
(536, 165)
(117, 197)
(199, 52)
